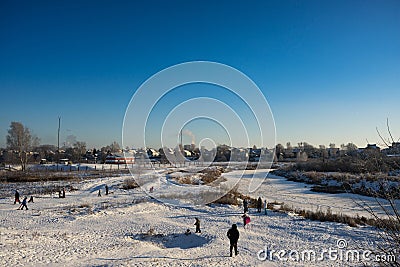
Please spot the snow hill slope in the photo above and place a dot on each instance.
(86, 230)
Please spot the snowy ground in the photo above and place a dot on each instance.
(276, 188)
(86, 230)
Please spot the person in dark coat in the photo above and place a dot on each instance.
(245, 206)
(23, 204)
(16, 197)
(233, 235)
(31, 199)
(259, 204)
(106, 189)
(197, 223)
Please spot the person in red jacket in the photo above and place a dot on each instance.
(246, 220)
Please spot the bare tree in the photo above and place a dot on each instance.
(390, 222)
(115, 147)
(79, 150)
(389, 140)
(20, 140)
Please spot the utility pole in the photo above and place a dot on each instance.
(58, 134)
(58, 140)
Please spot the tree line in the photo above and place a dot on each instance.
(24, 147)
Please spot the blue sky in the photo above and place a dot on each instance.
(329, 70)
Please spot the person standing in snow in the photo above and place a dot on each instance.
(265, 206)
(233, 235)
(106, 189)
(197, 223)
(23, 204)
(246, 219)
(17, 197)
(245, 206)
(99, 194)
(259, 204)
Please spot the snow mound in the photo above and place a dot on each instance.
(181, 241)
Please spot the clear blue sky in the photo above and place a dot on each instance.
(330, 70)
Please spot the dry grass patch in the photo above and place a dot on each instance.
(233, 197)
(129, 184)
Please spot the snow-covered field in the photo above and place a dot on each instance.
(86, 230)
(298, 195)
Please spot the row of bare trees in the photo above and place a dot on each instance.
(25, 147)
